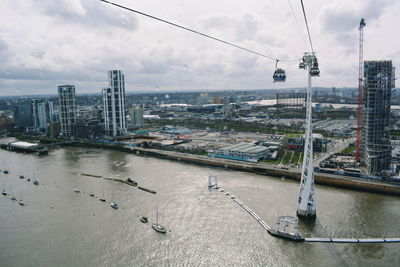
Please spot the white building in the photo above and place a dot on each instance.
(67, 108)
(114, 104)
(42, 113)
(46, 114)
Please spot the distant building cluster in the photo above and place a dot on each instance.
(112, 119)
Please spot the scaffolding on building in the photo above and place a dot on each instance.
(375, 142)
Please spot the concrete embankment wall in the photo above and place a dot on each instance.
(320, 178)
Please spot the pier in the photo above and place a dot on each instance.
(127, 181)
(246, 208)
(353, 240)
(25, 147)
(298, 238)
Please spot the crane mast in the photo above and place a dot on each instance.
(360, 75)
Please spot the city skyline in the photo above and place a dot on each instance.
(77, 41)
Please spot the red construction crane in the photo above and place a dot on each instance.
(360, 75)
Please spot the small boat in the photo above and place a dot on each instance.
(114, 205)
(144, 219)
(102, 198)
(158, 227)
(76, 190)
(12, 197)
(21, 202)
(133, 182)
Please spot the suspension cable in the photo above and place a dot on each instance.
(194, 31)
(308, 30)
(297, 23)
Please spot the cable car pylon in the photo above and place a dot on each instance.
(307, 208)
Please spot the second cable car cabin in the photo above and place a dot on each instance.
(314, 70)
(279, 74)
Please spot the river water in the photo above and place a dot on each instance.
(59, 227)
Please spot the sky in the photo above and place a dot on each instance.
(45, 43)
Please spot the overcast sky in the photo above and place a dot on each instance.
(45, 43)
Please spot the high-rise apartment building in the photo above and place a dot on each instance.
(114, 104)
(375, 142)
(23, 115)
(67, 109)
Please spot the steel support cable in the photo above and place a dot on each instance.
(196, 32)
(297, 23)
(308, 30)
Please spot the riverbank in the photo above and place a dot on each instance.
(328, 179)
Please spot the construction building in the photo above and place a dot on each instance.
(375, 143)
(135, 117)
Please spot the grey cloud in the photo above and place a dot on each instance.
(336, 19)
(244, 26)
(88, 12)
(41, 74)
(3, 45)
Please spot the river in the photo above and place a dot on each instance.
(59, 227)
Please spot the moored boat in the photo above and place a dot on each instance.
(144, 219)
(158, 227)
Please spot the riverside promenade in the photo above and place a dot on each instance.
(335, 180)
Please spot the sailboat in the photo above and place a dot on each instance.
(4, 192)
(12, 197)
(102, 198)
(35, 182)
(91, 192)
(114, 204)
(159, 228)
(21, 202)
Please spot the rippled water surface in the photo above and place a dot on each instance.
(61, 228)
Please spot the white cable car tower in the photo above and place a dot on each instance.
(307, 206)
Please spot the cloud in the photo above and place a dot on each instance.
(345, 17)
(45, 42)
(87, 12)
(238, 27)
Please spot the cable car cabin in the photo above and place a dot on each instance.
(314, 71)
(279, 75)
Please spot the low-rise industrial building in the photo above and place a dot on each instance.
(242, 151)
